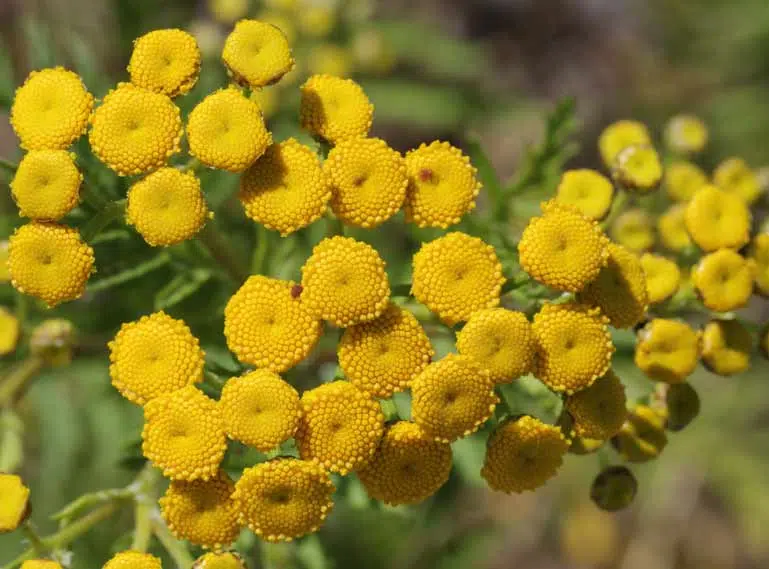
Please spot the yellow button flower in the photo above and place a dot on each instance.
(442, 185)
(224, 560)
(47, 184)
(330, 59)
(686, 134)
(226, 131)
(51, 109)
(581, 446)
(5, 276)
(284, 499)
(684, 179)
(14, 507)
(452, 398)
(614, 488)
(501, 340)
(408, 467)
(228, 11)
(598, 412)
(587, 190)
(166, 61)
(260, 409)
(662, 276)
(667, 350)
(285, 189)
(384, 355)
(49, 261)
(283, 20)
(317, 20)
(716, 219)
(724, 280)
(523, 454)
(563, 249)
(9, 331)
(257, 53)
(133, 560)
(153, 356)
(368, 181)
(734, 176)
(633, 229)
(638, 168)
(759, 253)
(335, 109)
(672, 228)
(135, 130)
(41, 564)
(682, 404)
(618, 136)
(726, 347)
(642, 437)
(53, 341)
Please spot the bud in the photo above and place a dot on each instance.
(686, 134)
(614, 488)
(683, 406)
(638, 168)
(40, 564)
(581, 445)
(14, 506)
(642, 437)
(226, 560)
(53, 341)
(9, 331)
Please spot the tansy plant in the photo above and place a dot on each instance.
(334, 381)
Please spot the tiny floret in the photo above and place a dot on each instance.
(633, 229)
(716, 219)
(726, 347)
(618, 136)
(667, 350)
(133, 560)
(686, 134)
(662, 277)
(684, 179)
(671, 227)
(47, 184)
(724, 280)
(166, 61)
(40, 564)
(257, 53)
(335, 109)
(219, 560)
(638, 168)
(736, 177)
(587, 190)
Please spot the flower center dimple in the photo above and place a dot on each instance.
(426, 175)
(281, 496)
(46, 259)
(359, 181)
(449, 397)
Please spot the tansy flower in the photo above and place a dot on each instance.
(260, 409)
(335, 109)
(285, 22)
(671, 227)
(372, 51)
(316, 20)
(683, 179)
(614, 488)
(47, 184)
(40, 564)
(226, 131)
(583, 446)
(9, 331)
(167, 206)
(285, 189)
(682, 404)
(686, 134)
(667, 350)
(135, 130)
(341, 427)
(384, 355)
(587, 190)
(224, 560)
(633, 229)
(662, 277)
(620, 289)
(500, 340)
(284, 499)
(452, 398)
(257, 53)
(51, 109)
(724, 280)
(599, 411)
(442, 185)
(202, 512)
(184, 434)
(49, 261)
(642, 437)
(759, 253)
(368, 181)
(133, 560)
(563, 249)
(734, 176)
(267, 324)
(228, 11)
(409, 466)
(14, 507)
(166, 61)
(53, 341)
(344, 282)
(574, 346)
(5, 276)
(522, 454)
(456, 275)
(154, 356)
(726, 347)
(618, 136)
(638, 168)
(716, 219)
(329, 58)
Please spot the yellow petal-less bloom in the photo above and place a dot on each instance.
(452, 398)
(5, 276)
(284, 499)
(563, 249)
(384, 355)
(14, 507)
(224, 560)
(574, 346)
(662, 277)
(184, 434)
(47, 184)
(638, 168)
(667, 350)
(671, 227)
(341, 427)
(642, 437)
(133, 560)
(260, 409)
(614, 488)
(40, 564)
(682, 404)
(49, 261)
(135, 130)
(202, 512)
(523, 454)
(599, 411)
(167, 207)
(726, 347)
(335, 109)
(226, 131)
(633, 229)
(257, 53)
(285, 189)
(501, 340)
(165, 61)
(330, 59)
(455, 275)
(51, 110)
(317, 20)
(587, 190)
(686, 134)
(683, 179)
(581, 446)
(345, 282)
(442, 185)
(724, 280)
(285, 22)
(759, 253)
(735, 176)
(9, 331)
(618, 136)
(408, 467)
(716, 219)
(153, 356)
(368, 181)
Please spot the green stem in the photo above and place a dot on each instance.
(92, 499)
(403, 289)
(278, 555)
(112, 212)
(38, 547)
(93, 197)
(8, 165)
(515, 283)
(13, 385)
(221, 251)
(260, 250)
(334, 226)
(175, 548)
(192, 164)
(142, 525)
(617, 207)
(389, 409)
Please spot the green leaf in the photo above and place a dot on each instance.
(486, 172)
(181, 287)
(39, 44)
(133, 273)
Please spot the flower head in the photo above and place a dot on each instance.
(726, 347)
(642, 437)
(9, 331)
(220, 560)
(633, 229)
(53, 341)
(736, 177)
(587, 190)
(257, 53)
(682, 404)
(683, 179)
(716, 219)
(724, 280)
(228, 11)
(759, 254)
(662, 277)
(335, 109)
(614, 488)
(671, 227)
(599, 411)
(14, 507)
(47, 184)
(618, 136)
(686, 134)
(41, 564)
(165, 61)
(667, 350)
(638, 168)
(132, 560)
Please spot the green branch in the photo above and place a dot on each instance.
(112, 212)
(222, 252)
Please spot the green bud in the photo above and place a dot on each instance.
(53, 341)
(614, 489)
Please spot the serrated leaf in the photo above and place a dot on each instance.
(133, 273)
(181, 287)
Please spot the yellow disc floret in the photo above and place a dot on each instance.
(686, 134)
(220, 560)
(14, 507)
(587, 190)
(717, 219)
(47, 184)
(335, 109)
(166, 61)
(49, 261)
(633, 229)
(735, 176)
(724, 280)
(10, 329)
(257, 53)
(726, 347)
(662, 277)
(642, 437)
(41, 564)
(671, 226)
(759, 254)
(638, 168)
(667, 350)
(618, 136)
(684, 179)
(133, 560)
(599, 411)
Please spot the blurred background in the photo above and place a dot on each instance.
(458, 70)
